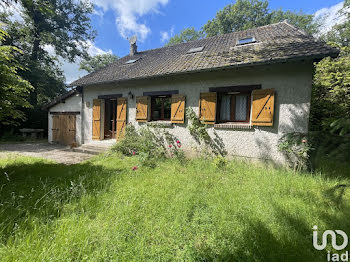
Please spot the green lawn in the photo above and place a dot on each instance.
(102, 210)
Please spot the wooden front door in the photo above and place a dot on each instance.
(96, 119)
(121, 116)
(64, 129)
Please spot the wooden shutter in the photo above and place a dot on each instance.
(178, 109)
(207, 107)
(263, 107)
(121, 116)
(96, 119)
(142, 108)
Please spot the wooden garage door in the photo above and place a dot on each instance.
(64, 129)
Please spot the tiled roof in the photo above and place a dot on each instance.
(60, 99)
(274, 43)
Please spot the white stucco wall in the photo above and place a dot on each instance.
(292, 84)
(72, 104)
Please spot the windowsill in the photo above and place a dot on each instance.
(160, 123)
(233, 125)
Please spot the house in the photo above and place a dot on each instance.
(250, 87)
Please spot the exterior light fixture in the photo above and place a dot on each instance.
(131, 95)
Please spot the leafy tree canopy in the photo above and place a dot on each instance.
(13, 89)
(331, 91)
(243, 15)
(246, 14)
(340, 33)
(186, 35)
(50, 29)
(98, 61)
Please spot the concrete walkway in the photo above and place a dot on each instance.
(58, 153)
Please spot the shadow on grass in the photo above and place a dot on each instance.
(258, 242)
(39, 190)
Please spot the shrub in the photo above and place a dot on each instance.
(135, 142)
(296, 148)
(150, 145)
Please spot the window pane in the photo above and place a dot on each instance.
(157, 108)
(241, 108)
(167, 108)
(225, 109)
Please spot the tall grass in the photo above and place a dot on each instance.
(102, 210)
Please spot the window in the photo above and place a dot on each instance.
(195, 50)
(161, 108)
(132, 61)
(233, 107)
(247, 40)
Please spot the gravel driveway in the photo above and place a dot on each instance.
(58, 153)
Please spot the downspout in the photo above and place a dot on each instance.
(82, 114)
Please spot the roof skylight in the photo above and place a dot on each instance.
(195, 50)
(131, 61)
(247, 40)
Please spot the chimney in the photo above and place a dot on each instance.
(133, 46)
(133, 49)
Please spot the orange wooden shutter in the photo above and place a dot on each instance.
(263, 107)
(142, 108)
(121, 116)
(178, 109)
(207, 107)
(96, 119)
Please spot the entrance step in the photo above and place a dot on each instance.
(93, 148)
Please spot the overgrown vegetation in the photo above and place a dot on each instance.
(199, 132)
(330, 105)
(150, 145)
(297, 149)
(105, 210)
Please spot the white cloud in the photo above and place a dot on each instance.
(128, 14)
(165, 35)
(71, 70)
(329, 17)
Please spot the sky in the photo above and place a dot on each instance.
(155, 21)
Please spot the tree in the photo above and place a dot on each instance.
(330, 105)
(341, 33)
(242, 15)
(300, 20)
(331, 90)
(246, 14)
(98, 61)
(63, 25)
(13, 89)
(51, 29)
(186, 35)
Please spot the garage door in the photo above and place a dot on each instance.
(63, 129)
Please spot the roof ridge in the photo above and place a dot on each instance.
(296, 28)
(210, 37)
(284, 39)
(197, 40)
